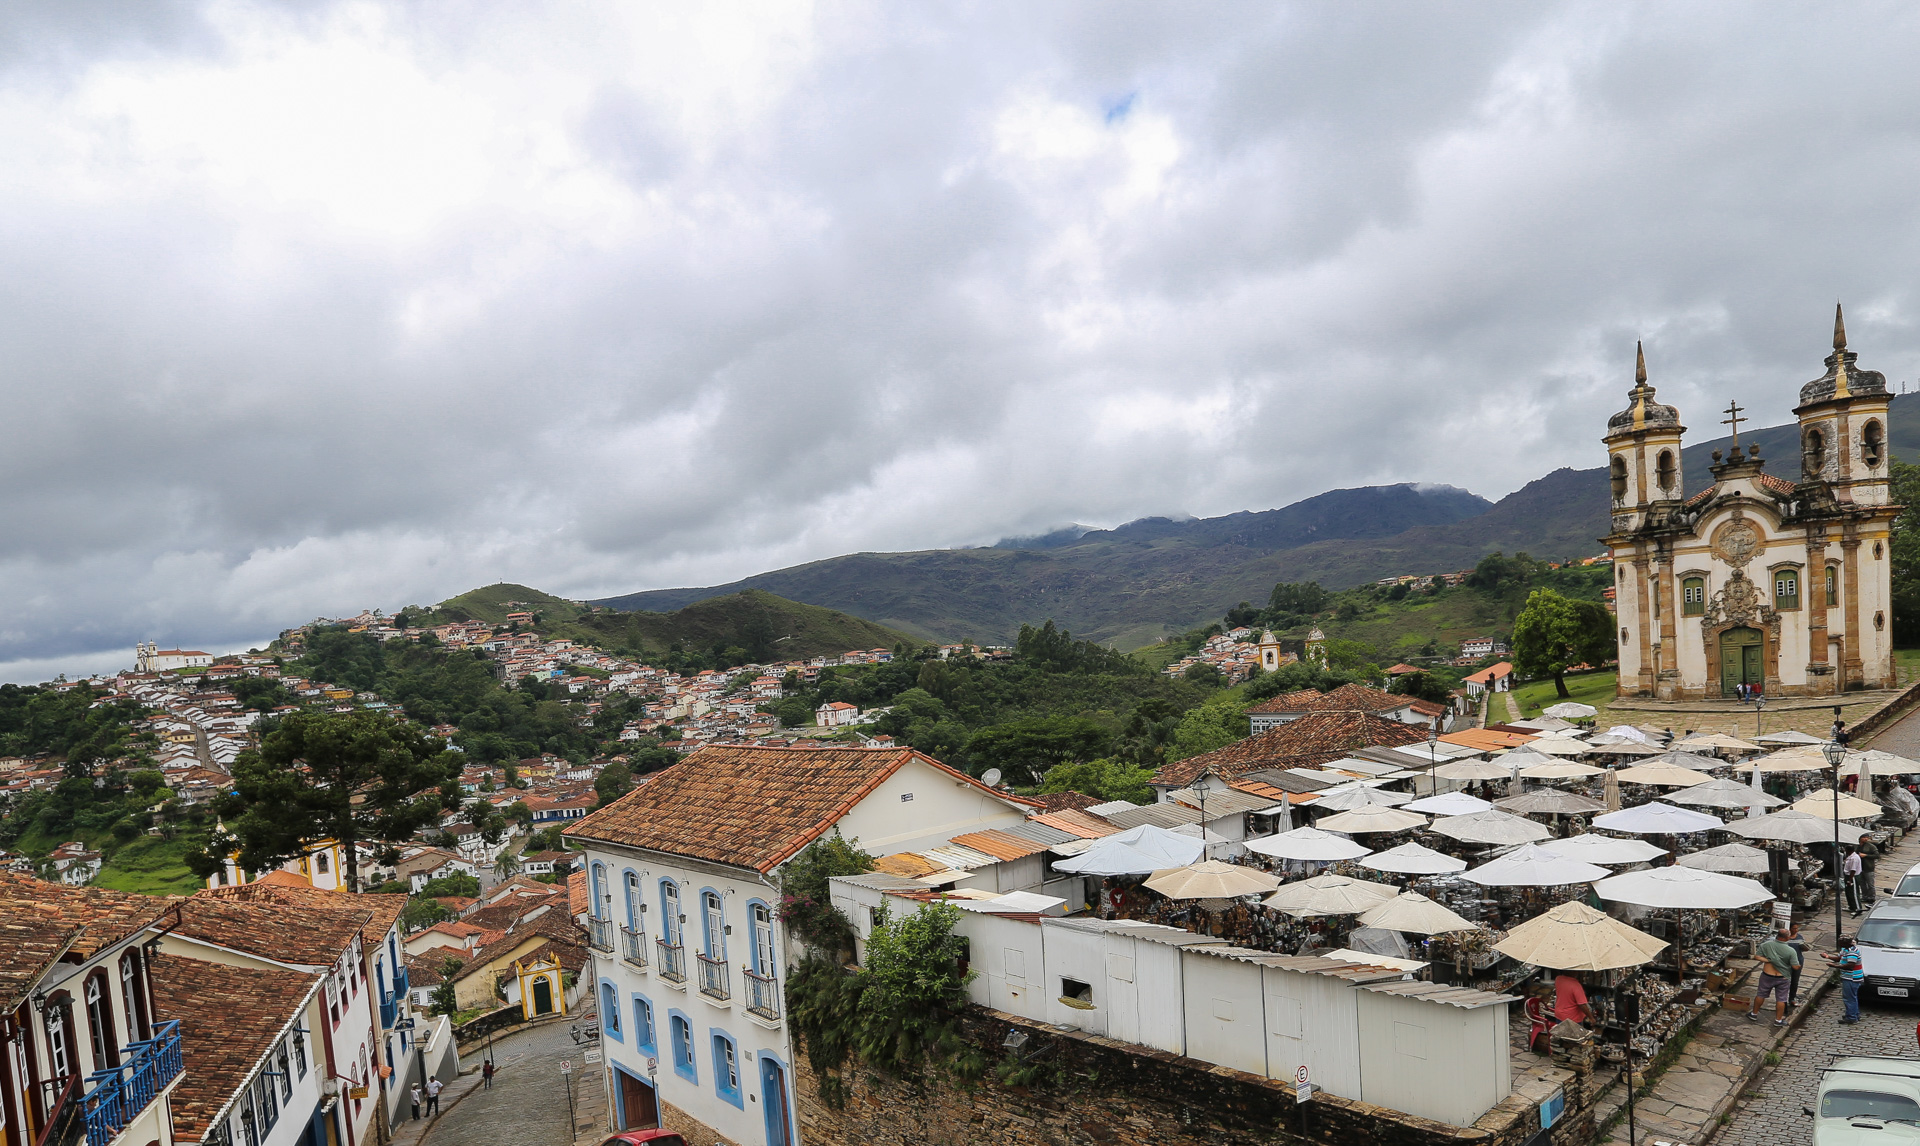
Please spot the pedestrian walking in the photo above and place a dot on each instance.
(1776, 961)
(486, 1075)
(1799, 946)
(1852, 974)
(434, 1086)
(416, 1102)
(1851, 869)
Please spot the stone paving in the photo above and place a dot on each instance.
(1770, 1113)
(527, 1105)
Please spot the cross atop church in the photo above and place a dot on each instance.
(1734, 419)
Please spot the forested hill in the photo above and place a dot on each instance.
(1156, 577)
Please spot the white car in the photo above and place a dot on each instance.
(1889, 939)
(1869, 1099)
(1909, 884)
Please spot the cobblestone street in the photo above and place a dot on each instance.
(527, 1105)
(1770, 1113)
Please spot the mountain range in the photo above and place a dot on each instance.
(1139, 582)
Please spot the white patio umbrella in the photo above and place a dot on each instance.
(1306, 845)
(1780, 739)
(1136, 851)
(1211, 880)
(1594, 848)
(1414, 912)
(1684, 888)
(1329, 895)
(1558, 746)
(1738, 858)
(1414, 859)
(1724, 793)
(1449, 804)
(1532, 866)
(1794, 827)
(1612, 746)
(1879, 763)
(1575, 937)
(1570, 710)
(1661, 775)
(1719, 740)
(1548, 801)
(1560, 770)
(1491, 827)
(1347, 797)
(1473, 770)
(1820, 802)
(1371, 819)
(1683, 759)
(1798, 759)
(1629, 732)
(1656, 819)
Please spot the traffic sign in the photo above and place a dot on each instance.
(566, 1066)
(653, 1065)
(1303, 1090)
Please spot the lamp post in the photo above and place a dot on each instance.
(1433, 756)
(1836, 752)
(1759, 702)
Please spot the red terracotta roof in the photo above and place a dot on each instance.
(1300, 701)
(1061, 801)
(1316, 738)
(1084, 824)
(1776, 485)
(107, 916)
(279, 931)
(229, 1018)
(577, 899)
(752, 807)
(31, 949)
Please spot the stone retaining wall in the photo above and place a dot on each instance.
(1108, 1093)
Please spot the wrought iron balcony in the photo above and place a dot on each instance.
(763, 994)
(713, 977)
(117, 1095)
(673, 961)
(633, 946)
(600, 933)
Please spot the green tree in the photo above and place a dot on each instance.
(806, 900)
(320, 775)
(613, 782)
(1205, 674)
(1306, 597)
(1215, 724)
(1426, 686)
(1109, 779)
(794, 712)
(913, 990)
(444, 1001)
(459, 883)
(1905, 555)
(422, 911)
(1034, 744)
(1552, 634)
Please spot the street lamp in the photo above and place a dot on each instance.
(1836, 752)
(1433, 756)
(1759, 702)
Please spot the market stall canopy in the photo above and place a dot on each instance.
(1656, 819)
(1541, 724)
(1611, 746)
(1687, 888)
(1449, 804)
(1192, 831)
(1820, 802)
(1371, 819)
(1570, 710)
(1532, 866)
(1629, 732)
(1683, 759)
(1559, 770)
(1473, 770)
(1307, 844)
(1797, 759)
(1416, 913)
(1575, 937)
(1491, 827)
(1211, 880)
(1720, 740)
(1558, 746)
(1789, 736)
(1724, 793)
(1330, 895)
(1592, 848)
(1347, 797)
(1136, 851)
(1548, 801)
(1793, 827)
(1662, 775)
(1414, 859)
(1879, 764)
(1730, 858)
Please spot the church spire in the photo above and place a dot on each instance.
(1839, 328)
(1639, 365)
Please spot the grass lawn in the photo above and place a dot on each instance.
(1595, 688)
(153, 866)
(1906, 665)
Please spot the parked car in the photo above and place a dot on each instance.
(1909, 884)
(1868, 1099)
(1889, 940)
(645, 1138)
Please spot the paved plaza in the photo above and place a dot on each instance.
(527, 1105)
(1770, 1113)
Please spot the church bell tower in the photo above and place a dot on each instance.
(1643, 447)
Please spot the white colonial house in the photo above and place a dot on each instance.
(689, 953)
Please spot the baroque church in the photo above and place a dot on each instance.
(1759, 579)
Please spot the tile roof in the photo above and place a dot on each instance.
(1300, 701)
(1063, 801)
(1483, 740)
(1315, 738)
(1491, 672)
(1081, 823)
(752, 807)
(31, 949)
(577, 899)
(907, 865)
(270, 930)
(107, 916)
(1776, 485)
(1000, 845)
(229, 1017)
(381, 911)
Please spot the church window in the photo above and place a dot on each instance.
(1693, 596)
(1833, 587)
(1815, 457)
(1619, 478)
(1786, 589)
(1665, 472)
(1623, 634)
(1872, 441)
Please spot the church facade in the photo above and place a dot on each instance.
(1774, 582)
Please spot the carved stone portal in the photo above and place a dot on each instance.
(1740, 603)
(1736, 542)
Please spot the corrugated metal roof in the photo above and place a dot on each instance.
(1226, 803)
(907, 865)
(1039, 833)
(959, 856)
(1465, 998)
(1285, 780)
(1159, 815)
(1151, 932)
(1112, 806)
(881, 881)
(1356, 973)
(1000, 845)
(1082, 824)
(1072, 847)
(1364, 766)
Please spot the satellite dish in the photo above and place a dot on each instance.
(992, 778)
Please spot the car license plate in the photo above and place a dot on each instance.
(1897, 992)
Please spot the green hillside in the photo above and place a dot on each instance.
(757, 625)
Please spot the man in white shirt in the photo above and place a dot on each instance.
(434, 1087)
(1851, 868)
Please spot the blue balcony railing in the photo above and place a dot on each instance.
(389, 1011)
(401, 984)
(117, 1095)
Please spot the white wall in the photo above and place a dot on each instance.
(1224, 1011)
(941, 807)
(1299, 1004)
(1430, 1059)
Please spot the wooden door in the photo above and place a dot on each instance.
(542, 996)
(639, 1109)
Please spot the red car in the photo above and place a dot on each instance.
(645, 1138)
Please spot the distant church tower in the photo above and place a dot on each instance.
(1755, 580)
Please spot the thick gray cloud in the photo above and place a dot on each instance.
(309, 308)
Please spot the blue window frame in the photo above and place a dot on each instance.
(670, 911)
(682, 1035)
(632, 881)
(760, 925)
(610, 1011)
(726, 1069)
(713, 924)
(600, 896)
(643, 1037)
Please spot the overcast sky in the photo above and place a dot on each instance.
(308, 308)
